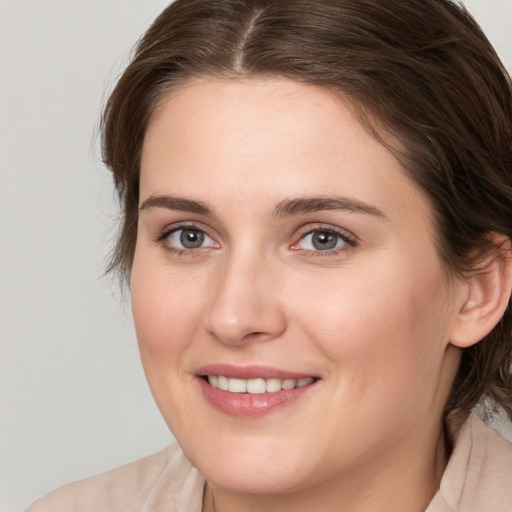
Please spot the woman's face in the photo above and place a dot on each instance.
(279, 245)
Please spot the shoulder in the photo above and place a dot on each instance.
(479, 473)
(164, 477)
(490, 473)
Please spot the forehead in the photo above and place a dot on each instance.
(247, 112)
(275, 138)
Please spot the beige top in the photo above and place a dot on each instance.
(478, 478)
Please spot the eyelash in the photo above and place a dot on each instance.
(350, 241)
(182, 251)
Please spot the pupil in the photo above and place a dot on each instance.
(191, 238)
(323, 240)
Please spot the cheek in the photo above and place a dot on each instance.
(166, 308)
(385, 324)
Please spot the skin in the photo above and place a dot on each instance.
(372, 318)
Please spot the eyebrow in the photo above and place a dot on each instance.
(175, 203)
(300, 206)
(286, 208)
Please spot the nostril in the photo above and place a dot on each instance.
(256, 334)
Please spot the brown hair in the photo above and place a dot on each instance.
(422, 69)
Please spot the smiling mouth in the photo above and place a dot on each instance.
(252, 391)
(256, 386)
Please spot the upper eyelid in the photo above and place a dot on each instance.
(350, 240)
(311, 228)
(163, 239)
(170, 228)
(300, 233)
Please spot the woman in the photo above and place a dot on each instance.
(317, 223)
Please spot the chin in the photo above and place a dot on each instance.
(252, 467)
(261, 479)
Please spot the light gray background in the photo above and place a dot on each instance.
(74, 401)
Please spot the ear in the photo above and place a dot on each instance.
(485, 297)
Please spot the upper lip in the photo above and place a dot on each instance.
(250, 372)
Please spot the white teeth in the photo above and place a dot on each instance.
(273, 385)
(222, 383)
(304, 382)
(237, 385)
(256, 386)
(288, 383)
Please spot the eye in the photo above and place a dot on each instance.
(188, 238)
(323, 240)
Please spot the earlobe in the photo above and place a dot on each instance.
(486, 297)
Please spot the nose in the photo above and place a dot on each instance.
(245, 302)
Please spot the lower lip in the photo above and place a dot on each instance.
(248, 404)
